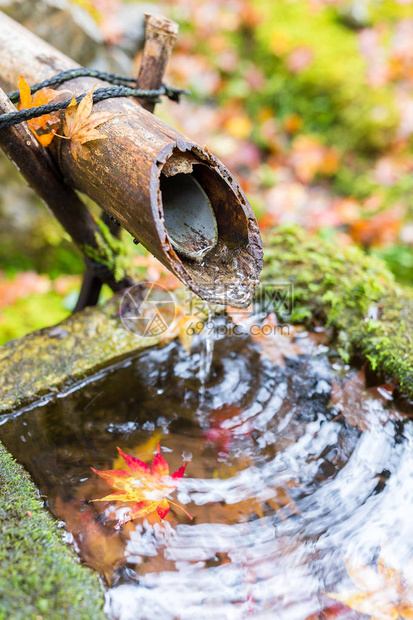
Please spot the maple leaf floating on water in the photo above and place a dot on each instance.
(80, 125)
(143, 451)
(383, 594)
(48, 123)
(148, 486)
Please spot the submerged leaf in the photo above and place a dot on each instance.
(383, 594)
(148, 487)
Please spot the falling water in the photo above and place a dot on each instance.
(207, 351)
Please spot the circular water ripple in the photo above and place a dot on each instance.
(282, 488)
(308, 492)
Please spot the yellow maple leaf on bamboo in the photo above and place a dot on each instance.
(45, 126)
(80, 125)
(382, 594)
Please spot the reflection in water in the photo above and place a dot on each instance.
(282, 483)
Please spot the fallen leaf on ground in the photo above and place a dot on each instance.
(44, 126)
(80, 125)
(380, 229)
(309, 157)
(148, 487)
(383, 594)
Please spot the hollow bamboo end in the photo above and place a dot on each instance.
(210, 236)
(159, 24)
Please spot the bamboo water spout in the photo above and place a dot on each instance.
(172, 195)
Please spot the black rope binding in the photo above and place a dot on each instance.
(119, 90)
(72, 74)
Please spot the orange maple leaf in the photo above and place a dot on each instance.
(383, 594)
(148, 486)
(80, 125)
(48, 123)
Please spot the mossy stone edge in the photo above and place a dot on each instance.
(55, 357)
(40, 576)
(355, 294)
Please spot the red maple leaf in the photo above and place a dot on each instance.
(148, 487)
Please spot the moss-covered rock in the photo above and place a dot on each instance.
(355, 293)
(40, 576)
(50, 358)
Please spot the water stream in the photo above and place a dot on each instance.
(295, 467)
(206, 354)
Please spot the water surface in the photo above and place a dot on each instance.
(295, 467)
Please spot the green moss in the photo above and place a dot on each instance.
(110, 251)
(40, 577)
(46, 360)
(356, 294)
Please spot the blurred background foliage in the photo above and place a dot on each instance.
(308, 102)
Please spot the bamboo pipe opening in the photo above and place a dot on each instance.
(189, 217)
(207, 223)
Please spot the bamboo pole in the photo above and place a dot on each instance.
(160, 36)
(39, 170)
(125, 172)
